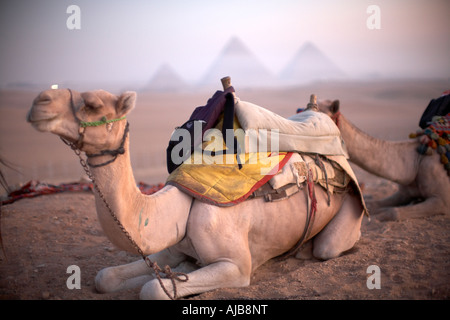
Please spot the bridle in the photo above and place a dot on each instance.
(76, 147)
(82, 125)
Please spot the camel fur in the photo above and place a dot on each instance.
(217, 247)
(424, 186)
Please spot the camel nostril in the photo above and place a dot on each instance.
(43, 98)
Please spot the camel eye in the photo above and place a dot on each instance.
(91, 105)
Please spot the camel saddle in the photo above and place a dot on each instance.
(308, 140)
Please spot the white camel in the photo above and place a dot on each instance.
(216, 246)
(423, 181)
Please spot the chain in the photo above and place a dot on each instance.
(111, 211)
(179, 276)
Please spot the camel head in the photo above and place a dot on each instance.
(329, 107)
(92, 120)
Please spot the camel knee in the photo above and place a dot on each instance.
(107, 281)
(326, 253)
(326, 250)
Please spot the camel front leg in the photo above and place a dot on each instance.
(400, 198)
(218, 239)
(135, 274)
(342, 232)
(223, 274)
(429, 207)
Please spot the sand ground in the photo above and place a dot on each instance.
(43, 236)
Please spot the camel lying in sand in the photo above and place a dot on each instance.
(216, 246)
(422, 179)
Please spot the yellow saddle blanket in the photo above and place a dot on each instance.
(225, 184)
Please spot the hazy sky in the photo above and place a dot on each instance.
(126, 41)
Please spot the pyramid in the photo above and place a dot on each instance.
(166, 80)
(238, 62)
(310, 64)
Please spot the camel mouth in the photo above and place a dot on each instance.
(40, 112)
(41, 121)
(37, 117)
(41, 109)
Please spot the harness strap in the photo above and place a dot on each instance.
(319, 162)
(228, 119)
(79, 143)
(310, 214)
(114, 153)
(272, 195)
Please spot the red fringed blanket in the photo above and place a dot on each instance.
(36, 188)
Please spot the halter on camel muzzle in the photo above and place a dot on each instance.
(78, 144)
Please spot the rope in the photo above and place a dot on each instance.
(103, 121)
(179, 276)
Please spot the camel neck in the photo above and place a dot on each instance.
(146, 221)
(377, 156)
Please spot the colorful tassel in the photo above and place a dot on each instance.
(432, 144)
(427, 131)
(441, 141)
(434, 136)
(424, 139)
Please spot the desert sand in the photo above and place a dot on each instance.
(45, 235)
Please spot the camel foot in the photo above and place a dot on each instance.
(152, 290)
(373, 206)
(427, 208)
(387, 214)
(123, 277)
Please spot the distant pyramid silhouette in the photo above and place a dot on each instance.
(310, 64)
(166, 79)
(238, 62)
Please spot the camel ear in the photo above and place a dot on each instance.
(126, 103)
(334, 108)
